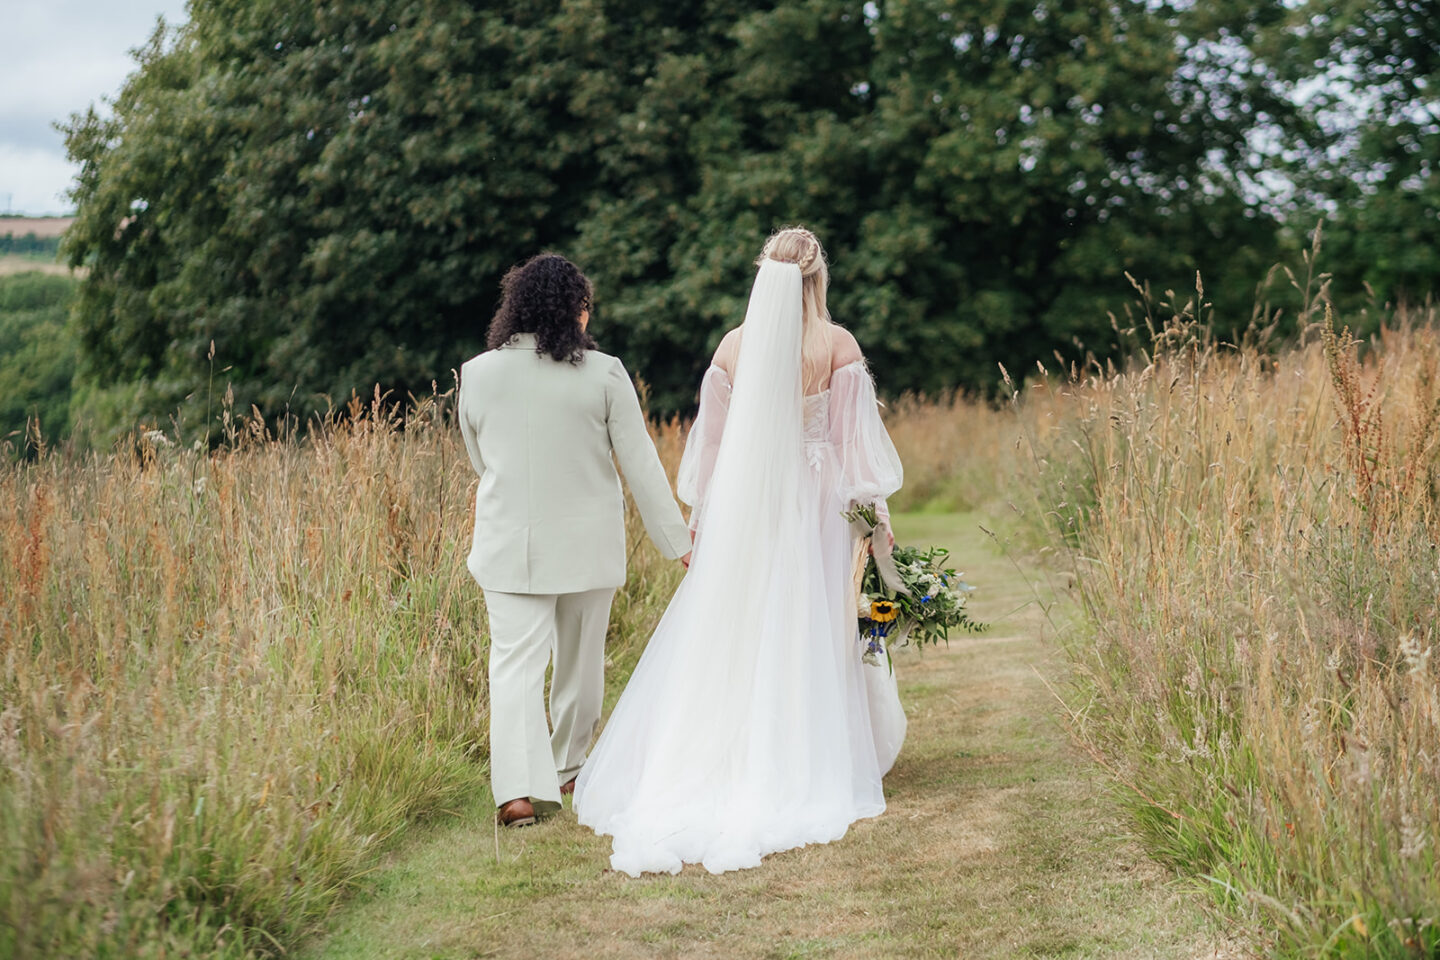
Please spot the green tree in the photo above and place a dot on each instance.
(29, 245)
(983, 173)
(1371, 73)
(38, 356)
(330, 191)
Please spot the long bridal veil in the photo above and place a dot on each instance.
(754, 488)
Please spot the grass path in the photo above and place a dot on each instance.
(998, 842)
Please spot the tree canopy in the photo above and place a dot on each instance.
(1371, 71)
(330, 190)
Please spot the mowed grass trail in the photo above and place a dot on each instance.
(998, 842)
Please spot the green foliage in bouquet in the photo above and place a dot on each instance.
(935, 605)
(937, 600)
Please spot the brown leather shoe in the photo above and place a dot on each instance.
(517, 813)
(568, 787)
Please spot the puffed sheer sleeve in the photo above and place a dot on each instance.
(703, 442)
(870, 468)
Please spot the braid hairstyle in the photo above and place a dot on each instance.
(799, 246)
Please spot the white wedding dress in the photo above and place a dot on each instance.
(750, 724)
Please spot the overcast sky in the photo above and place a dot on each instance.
(60, 56)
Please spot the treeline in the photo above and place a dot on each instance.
(29, 244)
(38, 359)
(330, 191)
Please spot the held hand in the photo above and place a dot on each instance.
(686, 560)
(888, 536)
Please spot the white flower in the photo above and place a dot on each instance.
(199, 486)
(1416, 659)
(157, 438)
(1412, 837)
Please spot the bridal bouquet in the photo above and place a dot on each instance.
(920, 602)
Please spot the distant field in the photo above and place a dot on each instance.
(40, 226)
(17, 263)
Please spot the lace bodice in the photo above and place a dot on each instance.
(817, 417)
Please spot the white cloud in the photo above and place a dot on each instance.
(60, 57)
(32, 180)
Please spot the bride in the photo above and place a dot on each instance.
(751, 725)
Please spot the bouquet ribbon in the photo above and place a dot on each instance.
(880, 549)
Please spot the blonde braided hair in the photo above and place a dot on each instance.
(799, 246)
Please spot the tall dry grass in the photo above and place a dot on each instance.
(229, 678)
(959, 452)
(1255, 540)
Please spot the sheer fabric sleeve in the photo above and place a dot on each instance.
(703, 443)
(870, 468)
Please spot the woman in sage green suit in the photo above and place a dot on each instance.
(545, 416)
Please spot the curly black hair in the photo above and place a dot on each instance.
(544, 296)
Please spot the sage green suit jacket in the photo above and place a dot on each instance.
(549, 511)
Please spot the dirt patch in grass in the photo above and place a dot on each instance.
(997, 842)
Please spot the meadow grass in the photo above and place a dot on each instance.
(1254, 537)
(232, 678)
(229, 678)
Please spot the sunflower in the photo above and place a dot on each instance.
(883, 611)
